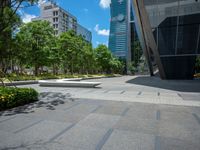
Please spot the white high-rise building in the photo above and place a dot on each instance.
(61, 20)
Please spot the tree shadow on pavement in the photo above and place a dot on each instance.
(176, 85)
(47, 100)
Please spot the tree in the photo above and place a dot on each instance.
(8, 11)
(9, 21)
(69, 47)
(34, 41)
(103, 57)
(137, 53)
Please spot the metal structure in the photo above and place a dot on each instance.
(169, 32)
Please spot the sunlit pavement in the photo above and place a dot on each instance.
(130, 112)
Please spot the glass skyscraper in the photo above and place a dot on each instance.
(119, 39)
(169, 32)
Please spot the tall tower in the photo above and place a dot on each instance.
(120, 29)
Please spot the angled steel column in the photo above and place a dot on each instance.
(146, 36)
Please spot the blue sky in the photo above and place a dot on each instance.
(92, 14)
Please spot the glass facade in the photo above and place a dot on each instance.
(118, 39)
(176, 29)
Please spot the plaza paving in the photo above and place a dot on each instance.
(124, 113)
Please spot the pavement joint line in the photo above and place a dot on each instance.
(7, 119)
(74, 105)
(196, 117)
(122, 92)
(139, 93)
(179, 95)
(158, 115)
(104, 139)
(125, 111)
(61, 132)
(29, 126)
(157, 143)
(98, 107)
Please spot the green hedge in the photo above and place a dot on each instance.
(12, 97)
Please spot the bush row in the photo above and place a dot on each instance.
(14, 77)
(11, 97)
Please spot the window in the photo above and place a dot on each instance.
(55, 13)
(47, 7)
(55, 26)
(55, 19)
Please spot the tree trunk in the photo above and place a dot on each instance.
(36, 70)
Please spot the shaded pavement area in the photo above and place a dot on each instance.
(62, 120)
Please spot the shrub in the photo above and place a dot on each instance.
(12, 97)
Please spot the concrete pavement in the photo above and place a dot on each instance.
(121, 114)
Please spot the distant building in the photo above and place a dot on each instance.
(85, 33)
(61, 20)
(122, 30)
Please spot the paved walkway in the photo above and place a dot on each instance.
(122, 114)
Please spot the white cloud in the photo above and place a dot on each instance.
(27, 17)
(103, 32)
(105, 3)
(40, 2)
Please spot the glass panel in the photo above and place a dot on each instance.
(187, 39)
(167, 40)
(189, 21)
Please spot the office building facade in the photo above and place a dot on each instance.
(169, 32)
(60, 19)
(120, 31)
(85, 33)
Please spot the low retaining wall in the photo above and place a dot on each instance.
(20, 83)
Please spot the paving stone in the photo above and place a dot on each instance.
(5, 118)
(144, 120)
(18, 123)
(179, 131)
(111, 110)
(176, 144)
(177, 109)
(58, 146)
(82, 108)
(126, 140)
(182, 118)
(99, 121)
(49, 130)
(60, 116)
(5, 139)
(146, 126)
(190, 97)
(37, 134)
(138, 112)
(82, 137)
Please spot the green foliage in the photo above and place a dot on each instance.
(36, 47)
(106, 61)
(9, 22)
(131, 67)
(13, 97)
(14, 77)
(137, 53)
(35, 44)
(197, 66)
